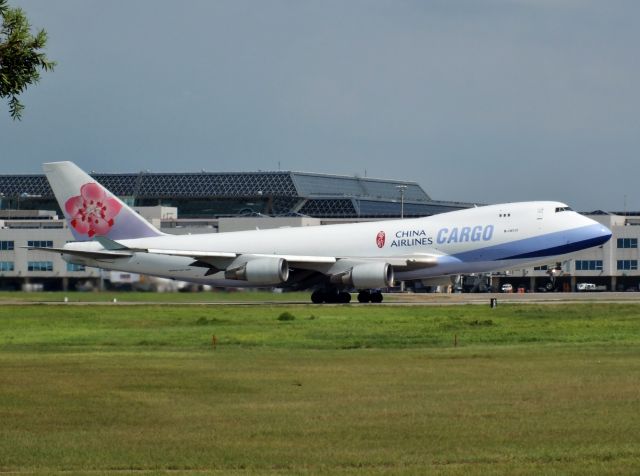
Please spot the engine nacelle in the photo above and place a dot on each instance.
(366, 276)
(265, 271)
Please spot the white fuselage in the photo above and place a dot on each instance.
(480, 239)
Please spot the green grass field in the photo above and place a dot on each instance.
(146, 297)
(529, 389)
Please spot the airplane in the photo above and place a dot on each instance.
(329, 259)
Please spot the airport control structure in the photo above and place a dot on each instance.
(206, 202)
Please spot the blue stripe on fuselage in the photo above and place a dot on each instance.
(551, 244)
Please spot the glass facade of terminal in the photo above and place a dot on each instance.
(207, 194)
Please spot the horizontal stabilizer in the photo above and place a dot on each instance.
(192, 253)
(108, 244)
(84, 254)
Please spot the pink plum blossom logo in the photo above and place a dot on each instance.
(380, 239)
(92, 212)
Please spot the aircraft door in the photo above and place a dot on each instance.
(539, 217)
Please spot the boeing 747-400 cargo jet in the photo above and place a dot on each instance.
(329, 259)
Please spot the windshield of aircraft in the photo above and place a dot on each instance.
(563, 209)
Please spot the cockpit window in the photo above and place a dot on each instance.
(563, 209)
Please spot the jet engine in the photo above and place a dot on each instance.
(366, 276)
(261, 271)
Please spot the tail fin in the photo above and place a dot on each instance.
(90, 209)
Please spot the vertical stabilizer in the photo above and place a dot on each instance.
(90, 209)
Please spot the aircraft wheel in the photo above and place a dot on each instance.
(331, 296)
(317, 297)
(364, 296)
(344, 297)
(376, 297)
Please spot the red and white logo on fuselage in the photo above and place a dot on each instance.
(380, 238)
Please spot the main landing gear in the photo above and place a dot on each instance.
(330, 296)
(370, 296)
(333, 296)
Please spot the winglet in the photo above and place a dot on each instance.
(90, 209)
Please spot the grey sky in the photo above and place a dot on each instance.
(488, 101)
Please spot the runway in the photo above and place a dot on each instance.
(390, 299)
(513, 298)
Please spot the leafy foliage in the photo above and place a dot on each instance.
(21, 56)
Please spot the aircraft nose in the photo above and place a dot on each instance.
(600, 233)
(606, 233)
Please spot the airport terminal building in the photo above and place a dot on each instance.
(208, 195)
(207, 202)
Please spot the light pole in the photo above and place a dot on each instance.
(401, 188)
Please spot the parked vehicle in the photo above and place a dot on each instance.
(585, 287)
(507, 288)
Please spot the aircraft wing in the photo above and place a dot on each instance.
(113, 251)
(220, 259)
(302, 261)
(203, 255)
(361, 272)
